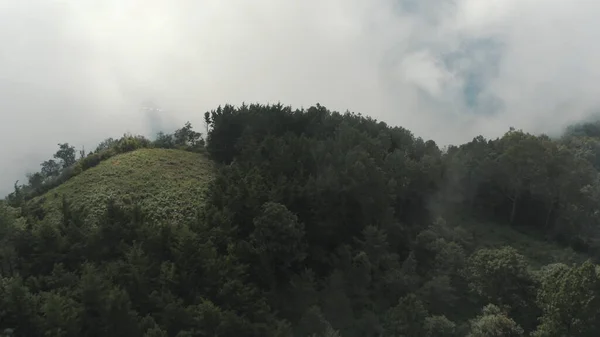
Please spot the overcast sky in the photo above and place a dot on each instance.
(79, 71)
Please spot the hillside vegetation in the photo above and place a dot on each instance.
(287, 222)
(167, 184)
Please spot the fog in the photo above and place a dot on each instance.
(80, 71)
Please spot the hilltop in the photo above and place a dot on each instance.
(283, 222)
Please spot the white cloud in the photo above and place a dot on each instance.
(426, 72)
(78, 70)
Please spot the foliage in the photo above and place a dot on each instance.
(570, 303)
(306, 223)
(494, 323)
(166, 184)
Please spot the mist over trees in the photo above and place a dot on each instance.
(316, 223)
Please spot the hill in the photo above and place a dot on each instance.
(313, 223)
(167, 184)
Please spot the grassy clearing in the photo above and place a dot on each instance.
(538, 252)
(167, 184)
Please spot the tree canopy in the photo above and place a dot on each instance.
(315, 223)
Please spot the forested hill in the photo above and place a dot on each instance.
(283, 222)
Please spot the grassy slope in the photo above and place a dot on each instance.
(537, 251)
(166, 183)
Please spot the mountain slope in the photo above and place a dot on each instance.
(167, 184)
(316, 224)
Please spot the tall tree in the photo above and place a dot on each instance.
(50, 168)
(521, 165)
(66, 154)
(35, 180)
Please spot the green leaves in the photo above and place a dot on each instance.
(440, 326)
(406, 318)
(498, 274)
(493, 322)
(66, 154)
(278, 236)
(570, 301)
(501, 277)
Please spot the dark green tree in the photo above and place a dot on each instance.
(50, 168)
(66, 154)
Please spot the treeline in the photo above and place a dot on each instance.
(66, 163)
(322, 224)
(534, 183)
(549, 186)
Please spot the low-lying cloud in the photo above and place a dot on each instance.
(80, 71)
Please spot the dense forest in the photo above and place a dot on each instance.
(314, 223)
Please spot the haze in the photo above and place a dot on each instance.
(80, 71)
